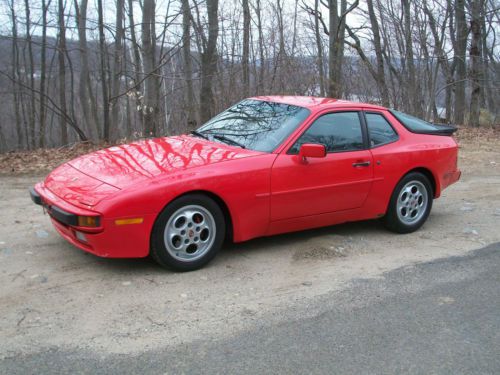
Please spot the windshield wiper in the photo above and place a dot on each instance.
(228, 140)
(198, 134)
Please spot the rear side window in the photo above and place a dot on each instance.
(339, 131)
(379, 129)
(414, 124)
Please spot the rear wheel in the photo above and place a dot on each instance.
(188, 233)
(410, 204)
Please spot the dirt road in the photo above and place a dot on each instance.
(53, 295)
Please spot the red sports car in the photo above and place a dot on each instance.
(267, 165)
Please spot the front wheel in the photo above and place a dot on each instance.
(188, 233)
(410, 204)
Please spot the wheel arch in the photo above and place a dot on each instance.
(220, 202)
(436, 189)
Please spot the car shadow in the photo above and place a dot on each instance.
(280, 241)
(231, 251)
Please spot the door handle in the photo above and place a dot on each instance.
(361, 164)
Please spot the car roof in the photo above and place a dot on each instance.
(313, 102)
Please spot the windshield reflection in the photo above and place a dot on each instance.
(255, 124)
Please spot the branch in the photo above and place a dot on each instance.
(59, 111)
(357, 46)
(316, 14)
(343, 16)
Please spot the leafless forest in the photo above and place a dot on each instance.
(74, 70)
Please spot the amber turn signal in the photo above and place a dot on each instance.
(89, 221)
(135, 220)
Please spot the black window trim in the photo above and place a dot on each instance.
(368, 132)
(362, 123)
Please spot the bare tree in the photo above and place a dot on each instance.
(150, 108)
(209, 61)
(438, 33)
(262, 63)
(30, 69)
(476, 69)
(117, 62)
(460, 46)
(61, 52)
(380, 76)
(318, 18)
(336, 43)
(188, 65)
(103, 75)
(246, 48)
(43, 74)
(86, 93)
(16, 75)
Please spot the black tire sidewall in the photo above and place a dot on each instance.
(158, 249)
(392, 220)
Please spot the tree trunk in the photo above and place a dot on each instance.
(188, 65)
(150, 108)
(209, 62)
(136, 59)
(334, 65)
(104, 79)
(384, 92)
(460, 62)
(31, 72)
(441, 57)
(262, 64)
(88, 100)
(246, 48)
(16, 77)
(492, 94)
(476, 73)
(413, 88)
(62, 74)
(117, 64)
(319, 47)
(43, 74)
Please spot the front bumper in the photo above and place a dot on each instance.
(108, 241)
(62, 216)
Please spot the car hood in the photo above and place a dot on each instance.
(90, 178)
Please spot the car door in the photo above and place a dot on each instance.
(339, 181)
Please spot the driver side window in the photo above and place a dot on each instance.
(338, 131)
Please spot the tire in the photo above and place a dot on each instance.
(410, 204)
(188, 233)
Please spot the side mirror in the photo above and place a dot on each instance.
(312, 150)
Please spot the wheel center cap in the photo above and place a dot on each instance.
(190, 233)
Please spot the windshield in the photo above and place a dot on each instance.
(254, 124)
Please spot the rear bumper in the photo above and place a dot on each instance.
(451, 178)
(111, 240)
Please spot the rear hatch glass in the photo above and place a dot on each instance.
(416, 125)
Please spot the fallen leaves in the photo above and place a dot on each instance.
(41, 160)
(484, 136)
